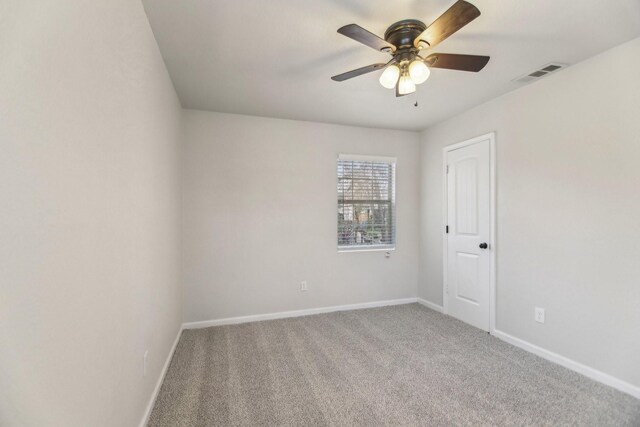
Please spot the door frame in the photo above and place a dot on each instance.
(491, 137)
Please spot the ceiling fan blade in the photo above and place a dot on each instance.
(365, 37)
(452, 61)
(458, 15)
(357, 72)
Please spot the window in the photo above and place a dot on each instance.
(366, 202)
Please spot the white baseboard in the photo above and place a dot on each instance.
(587, 371)
(156, 390)
(431, 305)
(294, 313)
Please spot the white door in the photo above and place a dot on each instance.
(468, 240)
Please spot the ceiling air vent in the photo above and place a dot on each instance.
(540, 73)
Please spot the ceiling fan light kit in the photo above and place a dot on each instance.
(389, 77)
(405, 39)
(418, 71)
(406, 85)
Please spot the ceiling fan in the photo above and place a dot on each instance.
(405, 39)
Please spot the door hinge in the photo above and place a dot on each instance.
(447, 229)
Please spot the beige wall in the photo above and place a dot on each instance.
(89, 218)
(259, 216)
(568, 209)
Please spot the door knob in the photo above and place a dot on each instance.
(483, 246)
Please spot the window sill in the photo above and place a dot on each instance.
(367, 249)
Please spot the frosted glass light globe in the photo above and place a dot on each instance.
(419, 71)
(389, 76)
(406, 85)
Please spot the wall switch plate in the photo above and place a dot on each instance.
(144, 363)
(303, 285)
(539, 315)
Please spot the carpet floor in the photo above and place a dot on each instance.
(400, 365)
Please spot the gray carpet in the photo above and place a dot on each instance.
(402, 365)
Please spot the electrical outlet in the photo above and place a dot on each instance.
(539, 315)
(303, 285)
(144, 363)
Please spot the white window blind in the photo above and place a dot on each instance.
(366, 202)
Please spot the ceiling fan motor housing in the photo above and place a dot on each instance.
(402, 34)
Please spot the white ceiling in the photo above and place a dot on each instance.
(275, 57)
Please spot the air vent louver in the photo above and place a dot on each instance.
(541, 72)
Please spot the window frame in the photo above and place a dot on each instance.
(392, 203)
